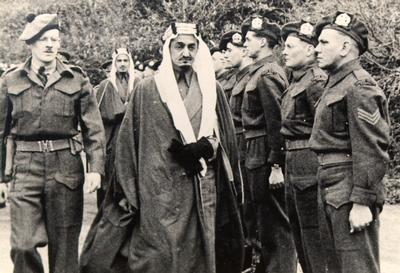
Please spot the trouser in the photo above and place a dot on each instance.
(302, 207)
(46, 206)
(272, 224)
(247, 210)
(353, 253)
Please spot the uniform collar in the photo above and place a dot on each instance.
(61, 68)
(339, 73)
(256, 65)
(299, 73)
(243, 72)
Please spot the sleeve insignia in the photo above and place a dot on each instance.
(368, 117)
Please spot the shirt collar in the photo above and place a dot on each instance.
(187, 76)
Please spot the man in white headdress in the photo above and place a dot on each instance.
(112, 95)
(177, 168)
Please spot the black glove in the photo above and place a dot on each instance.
(188, 155)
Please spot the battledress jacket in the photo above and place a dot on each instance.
(167, 234)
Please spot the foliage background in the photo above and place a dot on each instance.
(92, 28)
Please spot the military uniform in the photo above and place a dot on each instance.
(351, 136)
(261, 117)
(227, 81)
(46, 193)
(301, 175)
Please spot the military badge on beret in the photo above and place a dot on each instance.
(343, 20)
(306, 29)
(256, 23)
(236, 38)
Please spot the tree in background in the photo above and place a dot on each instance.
(92, 28)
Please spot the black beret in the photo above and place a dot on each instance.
(152, 63)
(302, 30)
(106, 64)
(214, 49)
(234, 37)
(37, 25)
(261, 27)
(349, 25)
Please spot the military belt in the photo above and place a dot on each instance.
(254, 133)
(331, 158)
(297, 144)
(42, 146)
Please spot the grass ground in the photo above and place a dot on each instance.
(389, 236)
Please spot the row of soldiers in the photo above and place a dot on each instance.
(331, 119)
(182, 165)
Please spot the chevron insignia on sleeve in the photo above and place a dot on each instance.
(367, 117)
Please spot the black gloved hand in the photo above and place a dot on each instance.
(200, 149)
(188, 155)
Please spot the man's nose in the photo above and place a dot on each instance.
(186, 52)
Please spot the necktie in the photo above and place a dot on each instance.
(42, 75)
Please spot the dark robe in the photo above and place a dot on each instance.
(167, 235)
(112, 106)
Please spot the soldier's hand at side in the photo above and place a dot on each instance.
(92, 182)
(360, 217)
(276, 180)
(3, 194)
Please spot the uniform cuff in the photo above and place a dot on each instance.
(96, 167)
(276, 157)
(363, 196)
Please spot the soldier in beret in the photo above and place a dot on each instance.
(106, 67)
(264, 159)
(227, 78)
(43, 101)
(306, 87)
(351, 138)
(219, 62)
(236, 57)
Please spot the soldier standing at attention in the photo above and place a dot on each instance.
(42, 102)
(351, 138)
(261, 116)
(112, 96)
(306, 87)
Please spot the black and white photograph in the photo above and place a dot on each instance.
(199, 136)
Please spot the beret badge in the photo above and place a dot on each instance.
(237, 38)
(343, 20)
(256, 23)
(306, 29)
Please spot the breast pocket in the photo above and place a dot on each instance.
(21, 99)
(338, 112)
(251, 101)
(301, 106)
(64, 100)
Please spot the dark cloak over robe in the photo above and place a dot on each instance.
(166, 234)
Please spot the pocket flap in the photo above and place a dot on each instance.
(68, 87)
(334, 97)
(16, 89)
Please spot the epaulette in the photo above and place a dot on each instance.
(78, 69)
(363, 78)
(10, 70)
